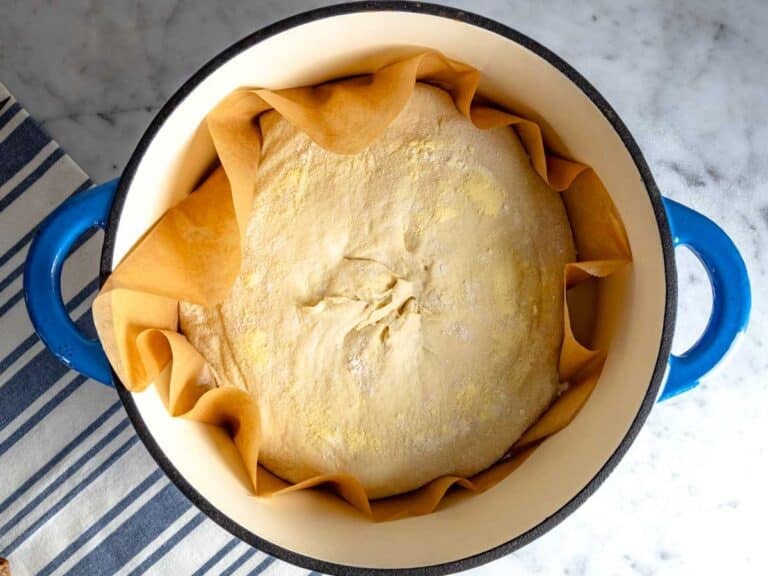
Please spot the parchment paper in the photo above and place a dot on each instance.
(193, 254)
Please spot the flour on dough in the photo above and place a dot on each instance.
(399, 312)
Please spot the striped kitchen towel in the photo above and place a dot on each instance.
(79, 494)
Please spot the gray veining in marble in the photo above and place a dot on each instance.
(689, 80)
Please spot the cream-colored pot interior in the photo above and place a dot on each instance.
(318, 525)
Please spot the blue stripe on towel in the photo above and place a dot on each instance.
(12, 275)
(213, 560)
(32, 380)
(242, 559)
(135, 533)
(56, 483)
(46, 409)
(69, 496)
(20, 147)
(10, 303)
(58, 457)
(24, 240)
(76, 544)
(33, 177)
(264, 564)
(168, 545)
(6, 116)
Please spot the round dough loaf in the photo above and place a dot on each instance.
(399, 312)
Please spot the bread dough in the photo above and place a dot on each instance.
(399, 312)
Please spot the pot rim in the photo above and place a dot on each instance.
(618, 125)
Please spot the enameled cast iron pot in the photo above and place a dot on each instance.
(313, 529)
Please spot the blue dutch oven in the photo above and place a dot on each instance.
(564, 470)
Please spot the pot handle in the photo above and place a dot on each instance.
(51, 246)
(731, 296)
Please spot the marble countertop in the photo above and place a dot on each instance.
(689, 80)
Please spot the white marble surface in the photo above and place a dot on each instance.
(688, 78)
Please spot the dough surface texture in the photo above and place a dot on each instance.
(399, 312)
